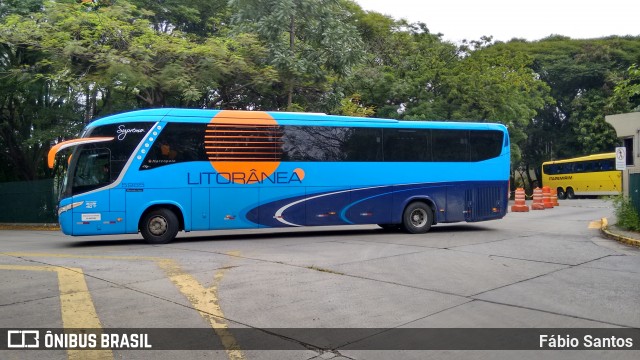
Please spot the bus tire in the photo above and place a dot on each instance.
(159, 226)
(570, 194)
(561, 194)
(417, 218)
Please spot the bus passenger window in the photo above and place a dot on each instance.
(407, 145)
(363, 144)
(178, 142)
(450, 145)
(485, 145)
(166, 151)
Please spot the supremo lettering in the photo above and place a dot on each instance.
(122, 132)
(223, 178)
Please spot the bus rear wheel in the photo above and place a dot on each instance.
(159, 226)
(570, 194)
(417, 218)
(561, 194)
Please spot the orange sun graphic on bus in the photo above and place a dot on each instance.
(300, 173)
(244, 147)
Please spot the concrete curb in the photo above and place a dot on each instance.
(617, 237)
(16, 226)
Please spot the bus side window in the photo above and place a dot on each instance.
(608, 165)
(313, 143)
(178, 142)
(485, 145)
(450, 145)
(363, 144)
(568, 168)
(407, 145)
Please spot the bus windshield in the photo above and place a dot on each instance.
(92, 170)
(98, 158)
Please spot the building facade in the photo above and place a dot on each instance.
(627, 127)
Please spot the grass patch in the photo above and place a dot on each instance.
(626, 213)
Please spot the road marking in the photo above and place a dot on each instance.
(595, 224)
(204, 300)
(76, 305)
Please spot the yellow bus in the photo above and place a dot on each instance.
(586, 175)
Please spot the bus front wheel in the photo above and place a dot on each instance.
(561, 194)
(159, 226)
(417, 218)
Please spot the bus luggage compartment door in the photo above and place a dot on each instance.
(456, 205)
(200, 209)
(229, 206)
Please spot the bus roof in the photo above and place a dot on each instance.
(283, 118)
(582, 158)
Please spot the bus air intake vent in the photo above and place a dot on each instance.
(230, 142)
(483, 203)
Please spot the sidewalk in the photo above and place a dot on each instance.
(620, 235)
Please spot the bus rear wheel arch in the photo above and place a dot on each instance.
(160, 225)
(417, 217)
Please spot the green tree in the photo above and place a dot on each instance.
(65, 65)
(627, 91)
(19, 7)
(309, 43)
(581, 75)
(495, 84)
(34, 106)
(202, 18)
(402, 73)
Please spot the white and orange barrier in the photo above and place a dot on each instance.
(520, 204)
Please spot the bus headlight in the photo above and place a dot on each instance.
(69, 207)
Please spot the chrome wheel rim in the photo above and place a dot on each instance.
(419, 218)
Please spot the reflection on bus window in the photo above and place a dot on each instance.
(92, 169)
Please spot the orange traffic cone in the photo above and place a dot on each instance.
(546, 197)
(520, 205)
(537, 200)
(554, 197)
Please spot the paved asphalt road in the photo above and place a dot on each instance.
(543, 269)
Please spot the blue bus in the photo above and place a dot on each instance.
(160, 171)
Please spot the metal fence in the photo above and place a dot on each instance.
(27, 202)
